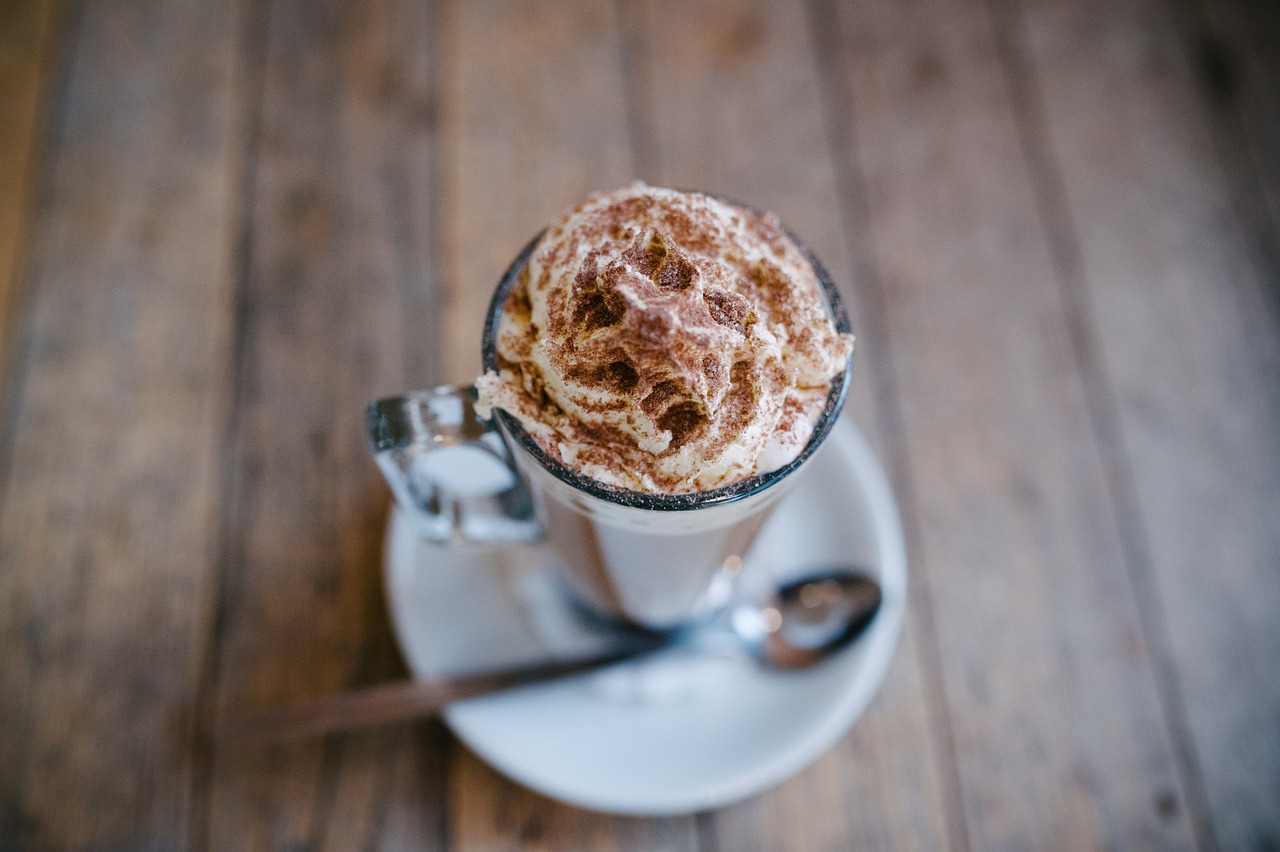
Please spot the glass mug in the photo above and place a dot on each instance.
(645, 560)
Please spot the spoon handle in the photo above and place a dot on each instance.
(397, 701)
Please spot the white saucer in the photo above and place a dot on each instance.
(682, 732)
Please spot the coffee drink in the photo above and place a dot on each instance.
(665, 342)
(661, 363)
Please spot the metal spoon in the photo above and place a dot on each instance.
(807, 620)
(800, 624)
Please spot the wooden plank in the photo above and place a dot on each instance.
(493, 814)
(1060, 735)
(1188, 351)
(110, 476)
(336, 309)
(527, 134)
(733, 104)
(534, 118)
(29, 45)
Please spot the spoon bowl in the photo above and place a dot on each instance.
(807, 620)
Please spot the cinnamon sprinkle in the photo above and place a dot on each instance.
(663, 337)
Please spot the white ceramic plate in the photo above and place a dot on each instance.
(682, 732)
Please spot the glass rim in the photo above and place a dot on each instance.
(722, 495)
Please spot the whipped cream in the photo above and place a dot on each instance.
(665, 342)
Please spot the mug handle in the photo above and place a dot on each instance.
(449, 469)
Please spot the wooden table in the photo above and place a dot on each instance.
(227, 224)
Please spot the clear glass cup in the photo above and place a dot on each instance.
(645, 560)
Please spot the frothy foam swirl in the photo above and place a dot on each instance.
(665, 342)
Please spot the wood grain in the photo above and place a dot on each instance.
(491, 813)
(235, 221)
(1018, 534)
(29, 46)
(534, 118)
(1195, 406)
(108, 523)
(733, 104)
(1231, 45)
(337, 266)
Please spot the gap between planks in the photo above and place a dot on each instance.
(39, 130)
(230, 549)
(858, 225)
(1021, 78)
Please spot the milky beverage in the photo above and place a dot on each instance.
(664, 361)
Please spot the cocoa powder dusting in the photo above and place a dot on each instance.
(654, 331)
